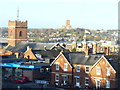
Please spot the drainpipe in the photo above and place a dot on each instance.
(73, 76)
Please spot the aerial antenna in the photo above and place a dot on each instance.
(18, 14)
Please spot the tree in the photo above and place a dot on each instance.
(74, 50)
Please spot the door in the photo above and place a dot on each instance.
(77, 81)
(65, 80)
(98, 84)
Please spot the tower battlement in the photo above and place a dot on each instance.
(17, 23)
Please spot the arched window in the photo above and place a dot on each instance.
(28, 57)
(20, 34)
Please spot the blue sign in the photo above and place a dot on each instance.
(20, 66)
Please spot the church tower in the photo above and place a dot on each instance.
(17, 32)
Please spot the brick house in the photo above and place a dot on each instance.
(78, 70)
(44, 55)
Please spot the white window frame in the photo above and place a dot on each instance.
(98, 70)
(108, 71)
(57, 66)
(107, 84)
(86, 69)
(86, 78)
(41, 70)
(56, 75)
(78, 69)
(65, 67)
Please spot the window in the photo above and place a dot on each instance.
(98, 70)
(28, 57)
(47, 69)
(65, 67)
(108, 71)
(86, 81)
(57, 77)
(57, 66)
(107, 84)
(20, 34)
(87, 69)
(41, 70)
(77, 68)
(65, 79)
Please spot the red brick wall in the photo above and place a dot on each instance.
(61, 71)
(29, 74)
(14, 31)
(103, 77)
(82, 74)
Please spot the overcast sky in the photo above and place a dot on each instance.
(90, 14)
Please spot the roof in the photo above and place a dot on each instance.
(80, 58)
(13, 60)
(47, 53)
(22, 47)
(7, 56)
(113, 60)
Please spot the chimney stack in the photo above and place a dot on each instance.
(28, 48)
(45, 48)
(106, 50)
(94, 50)
(86, 52)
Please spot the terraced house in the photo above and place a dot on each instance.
(78, 69)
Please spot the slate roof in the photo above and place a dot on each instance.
(113, 60)
(80, 58)
(7, 56)
(22, 47)
(48, 53)
(13, 60)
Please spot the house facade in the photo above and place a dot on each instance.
(79, 70)
(61, 72)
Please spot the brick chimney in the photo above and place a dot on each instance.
(86, 52)
(28, 48)
(94, 48)
(106, 50)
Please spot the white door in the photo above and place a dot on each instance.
(107, 84)
(97, 83)
(65, 79)
(78, 82)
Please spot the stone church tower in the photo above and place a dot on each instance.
(17, 32)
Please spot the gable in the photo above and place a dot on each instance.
(60, 58)
(30, 54)
(102, 62)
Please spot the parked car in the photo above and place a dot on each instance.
(21, 79)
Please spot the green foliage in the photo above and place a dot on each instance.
(74, 50)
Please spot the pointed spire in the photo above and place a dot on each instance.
(18, 14)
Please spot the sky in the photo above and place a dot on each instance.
(89, 14)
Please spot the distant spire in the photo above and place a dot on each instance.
(18, 14)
